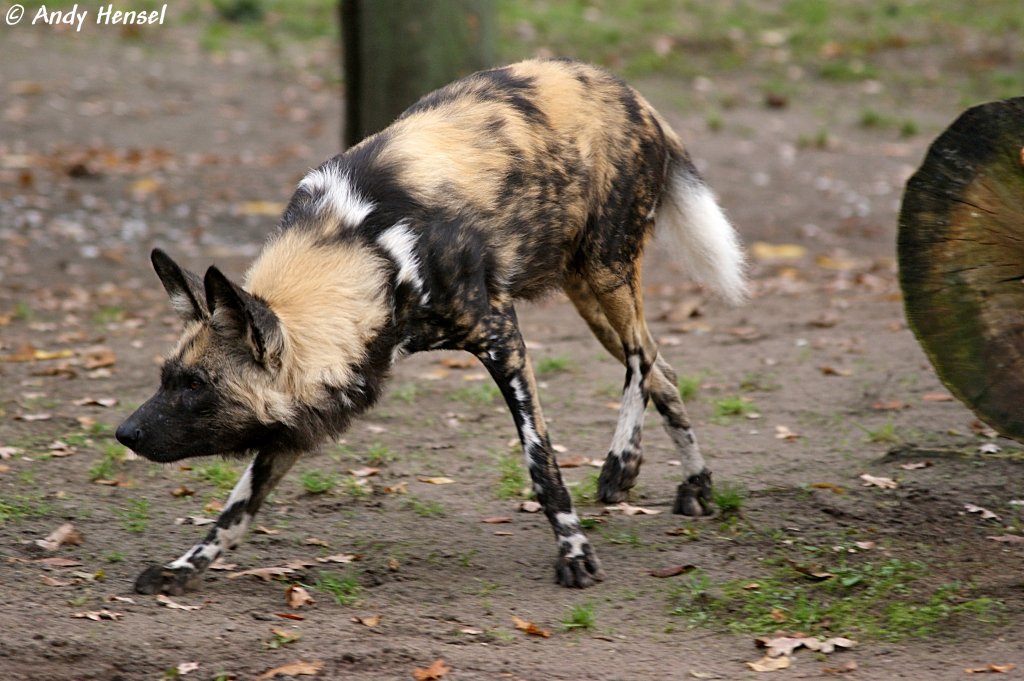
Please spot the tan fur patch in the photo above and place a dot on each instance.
(330, 300)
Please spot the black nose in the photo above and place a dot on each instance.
(128, 434)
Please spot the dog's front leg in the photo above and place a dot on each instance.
(260, 477)
(503, 352)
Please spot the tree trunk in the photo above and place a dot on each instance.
(961, 254)
(395, 51)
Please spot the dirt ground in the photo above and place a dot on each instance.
(110, 148)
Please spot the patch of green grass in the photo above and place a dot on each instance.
(484, 393)
(580, 617)
(379, 455)
(511, 477)
(585, 491)
(22, 506)
(135, 517)
(407, 392)
(345, 589)
(318, 482)
(729, 498)
(627, 537)
(356, 488)
(109, 464)
(878, 600)
(553, 364)
(222, 474)
(23, 311)
(728, 407)
(886, 433)
(759, 381)
(114, 557)
(688, 386)
(108, 315)
(424, 509)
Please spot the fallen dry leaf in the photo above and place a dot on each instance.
(835, 489)
(58, 562)
(438, 480)
(985, 513)
(262, 529)
(770, 253)
(992, 669)
(937, 397)
(96, 402)
(400, 488)
(436, 670)
(65, 534)
(844, 668)
(60, 449)
(339, 558)
(368, 621)
(187, 667)
(266, 574)
(672, 570)
(316, 541)
(298, 596)
(40, 416)
(497, 520)
(173, 605)
(182, 491)
(297, 668)
(530, 628)
(1008, 539)
(50, 581)
(97, 615)
(812, 571)
(8, 452)
(784, 433)
(529, 506)
(834, 371)
(270, 208)
(989, 448)
(290, 616)
(630, 510)
(364, 472)
(99, 358)
(890, 405)
(875, 481)
(915, 465)
(769, 664)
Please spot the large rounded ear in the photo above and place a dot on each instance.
(185, 288)
(241, 318)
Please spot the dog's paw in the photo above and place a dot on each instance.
(160, 579)
(580, 570)
(618, 476)
(693, 497)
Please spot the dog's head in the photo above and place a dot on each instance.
(217, 391)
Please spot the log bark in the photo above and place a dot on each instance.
(961, 257)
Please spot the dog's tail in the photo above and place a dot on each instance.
(703, 241)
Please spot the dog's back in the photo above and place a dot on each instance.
(549, 165)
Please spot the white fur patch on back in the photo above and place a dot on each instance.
(338, 197)
(400, 243)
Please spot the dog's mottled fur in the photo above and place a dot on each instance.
(501, 186)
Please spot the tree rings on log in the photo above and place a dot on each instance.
(961, 257)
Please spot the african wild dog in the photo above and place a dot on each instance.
(501, 186)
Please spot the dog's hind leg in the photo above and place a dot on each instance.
(499, 345)
(623, 463)
(260, 477)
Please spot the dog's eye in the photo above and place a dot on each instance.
(195, 384)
